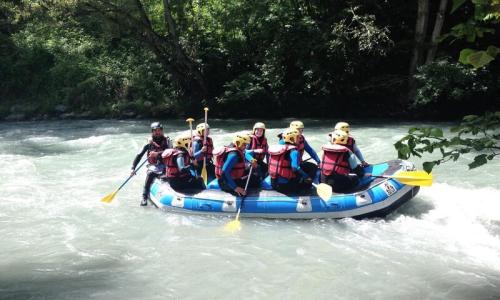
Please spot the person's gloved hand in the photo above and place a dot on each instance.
(240, 191)
(254, 163)
(364, 164)
(359, 171)
(308, 181)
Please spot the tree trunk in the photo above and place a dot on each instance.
(436, 32)
(420, 32)
(181, 58)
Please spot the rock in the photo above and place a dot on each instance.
(128, 114)
(60, 108)
(16, 117)
(16, 109)
(84, 115)
(148, 104)
(70, 115)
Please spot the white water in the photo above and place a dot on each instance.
(58, 241)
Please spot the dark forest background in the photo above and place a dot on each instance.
(260, 58)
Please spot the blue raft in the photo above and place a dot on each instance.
(373, 197)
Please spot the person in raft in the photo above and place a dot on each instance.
(338, 163)
(257, 149)
(286, 173)
(203, 150)
(180, 173)
(154, 148)
(351, 143)
(303, 146)
(230, 166)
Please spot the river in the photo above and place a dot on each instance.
(58, 241)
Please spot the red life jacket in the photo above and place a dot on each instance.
(350, 143)
(259, 144)
(209, 144)
(335, 160)
(220, 158)
(170, 160)
(155, 147)
(280, 164)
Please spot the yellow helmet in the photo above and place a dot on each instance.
(297, 125)
(343, 126)
(290, 135)
(339, 137)
(241, 138)
(259, 125)
(182, 141)
(200, 128)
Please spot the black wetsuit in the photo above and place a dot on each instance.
(164, 143)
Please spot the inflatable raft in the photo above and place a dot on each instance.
(373, 197)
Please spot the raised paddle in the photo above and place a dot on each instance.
(235, 225)
(324, 191)
(110, 197)
(204, 169)
(417, 178)
(190, 121)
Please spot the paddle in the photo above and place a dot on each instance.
(190, 121)
(204, 169)
(418, 178)
(110, 197)
(235, 224)
(324, 191)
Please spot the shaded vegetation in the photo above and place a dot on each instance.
(161, 58)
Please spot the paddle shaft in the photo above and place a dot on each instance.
(137, 169)
(205, 138)
(244, 196)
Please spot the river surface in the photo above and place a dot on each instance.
(58, 241)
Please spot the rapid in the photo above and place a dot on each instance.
(58, 241)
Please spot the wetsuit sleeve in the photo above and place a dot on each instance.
(353, 162)
(311, 152)
(231, 160)
(249, 155)
(139, 155)
(294, 158)
(357, 152)
(198, 154)
(180, 164)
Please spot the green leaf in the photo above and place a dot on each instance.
(493, 51)
(436, 132)
(479, 59)
(456, 5)
(478, 161)
(464, 55)
(428, 165)
(470, 118)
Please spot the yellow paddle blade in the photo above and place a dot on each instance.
(233, 226)
(204, 174)
(324, 190)
(109, 197)
(419, 178)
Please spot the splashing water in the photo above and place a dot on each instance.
(60, 242)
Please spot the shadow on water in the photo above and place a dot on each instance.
(25, 281)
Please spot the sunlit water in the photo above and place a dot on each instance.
(58, 241)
